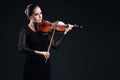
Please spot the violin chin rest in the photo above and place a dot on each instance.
(61, 23)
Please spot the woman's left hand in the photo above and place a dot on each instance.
(68, 28)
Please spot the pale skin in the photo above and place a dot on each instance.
(36, 17)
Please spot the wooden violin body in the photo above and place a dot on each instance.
(47, 26)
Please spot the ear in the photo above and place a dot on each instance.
(30, 17)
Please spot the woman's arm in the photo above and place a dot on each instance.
(23, 47)
(57, 43)
(22, 43)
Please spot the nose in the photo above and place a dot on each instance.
(40, 15)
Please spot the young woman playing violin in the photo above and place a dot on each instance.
(35, 41)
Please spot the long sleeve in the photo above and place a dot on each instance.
(22, 43)
(58, 42)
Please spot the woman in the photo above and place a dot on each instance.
(34, 44)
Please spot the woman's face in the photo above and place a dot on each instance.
(36, 17)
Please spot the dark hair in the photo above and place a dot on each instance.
(29, 9)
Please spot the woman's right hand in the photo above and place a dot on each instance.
(44, 53)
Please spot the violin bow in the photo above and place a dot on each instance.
(51, 40)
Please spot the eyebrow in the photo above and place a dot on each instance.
(37, 13)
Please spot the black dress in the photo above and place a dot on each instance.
(35, 67)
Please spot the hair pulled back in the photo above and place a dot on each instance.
(29, 9)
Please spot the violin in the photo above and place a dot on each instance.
(46, 26)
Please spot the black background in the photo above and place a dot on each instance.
(88, 54)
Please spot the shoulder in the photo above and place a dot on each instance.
(24, 28)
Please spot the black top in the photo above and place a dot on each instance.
(35, 63)
(30, 41)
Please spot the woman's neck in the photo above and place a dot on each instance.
(32, 26)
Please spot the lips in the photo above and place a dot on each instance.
(40, 20)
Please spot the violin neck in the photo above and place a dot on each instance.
(75, 25)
